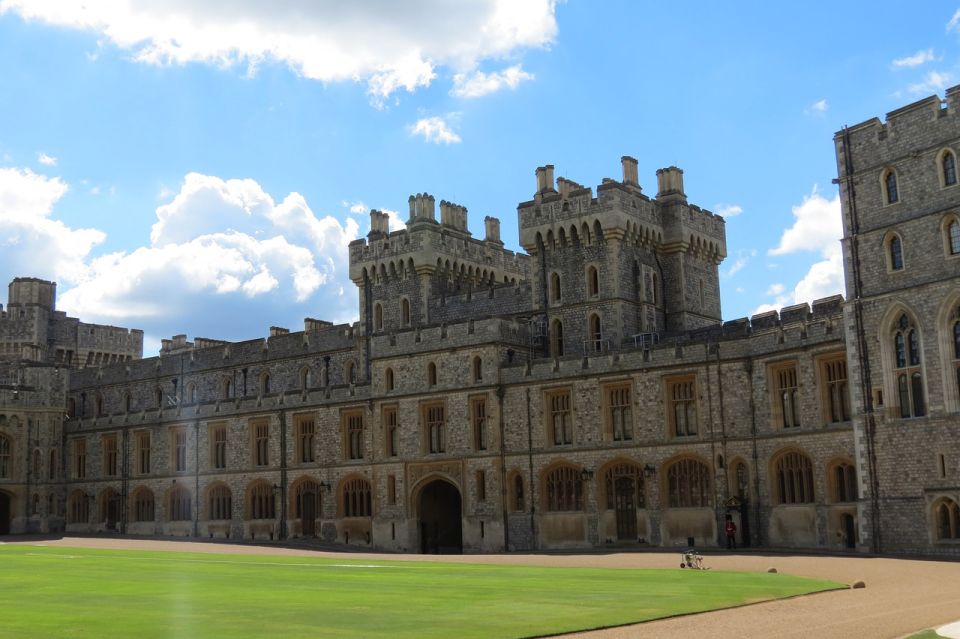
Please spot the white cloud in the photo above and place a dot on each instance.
(46, 160)
(396, 222)
(740, 261)
(727, 210)
(954, 21)
(434, 129)
(915, 60)
(31, 242)
(933, 82)
(776, 289)
(477, 83)
(355, 208)
(389, 45)
(820, 106)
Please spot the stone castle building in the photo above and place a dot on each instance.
(584, 393)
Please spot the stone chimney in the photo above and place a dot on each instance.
(422, 208)
(453, 215)
(629, 165)
(670, 183)
(277, 330)
(492, 227)
(545, 178)
(379, 224)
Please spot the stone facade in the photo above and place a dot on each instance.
(582, 394)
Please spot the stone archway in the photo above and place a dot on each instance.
(5, 511)
(441, 523)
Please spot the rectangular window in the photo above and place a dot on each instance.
(261, 443)
(306, 431)
(80, 458)
(435, 428)
(835, 393)
(390, 430)
(353, 435)
(478, 415)
(143, 453)
(787, 404)
(481, 485)
(559, 421)
(619, 414)
(682, 406)
(391, 489)
(110, 455)
(218, 445)
(179, 438)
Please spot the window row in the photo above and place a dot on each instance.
(946, 166)
(432, 377)
(893, 244)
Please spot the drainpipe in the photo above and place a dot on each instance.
(533, 505)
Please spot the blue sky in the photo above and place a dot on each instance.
(186, 167)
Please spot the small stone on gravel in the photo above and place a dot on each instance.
(771, 570)
(858, 584)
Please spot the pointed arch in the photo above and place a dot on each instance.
(889, 186)
(947, 167)
(901, 345)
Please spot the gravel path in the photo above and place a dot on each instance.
(901, 595)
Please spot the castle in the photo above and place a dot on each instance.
(582, 394)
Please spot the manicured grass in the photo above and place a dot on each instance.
(66, 592)
(926, 634)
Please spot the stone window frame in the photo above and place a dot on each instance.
(219, 502)
(108, 444)
(78, 507)
(353, 431)
(943, 169)
(476, 369)
(406, 317)
(217, 446)
(616, 411)
(390, 416)
(6, 456)
(783, 380)
(298, 488)
(179, 503)
(259, 437)
(676, 389)
(261, 500)
(355, 497)
(479, 421)
(592, 277)
(517, 493)
(349, 371)
(618, 469)
(263, 383)
(554, 409)
(305, 431)
(144, 444)
(555, 337)
(78, 455)
(893, 250)
(792, 478)
(563, 488)
(834, 386)
(305, 376)
(896, 348)
(594, 333)
(178, 449)
(433, 420)
(388, 379)
(945, 515)
(378, 322)
(950, 231)
(841, 481)
(949, 330)
(687, 482)
(555, 283)
(143, 505)
(432, 376)
(890, 196)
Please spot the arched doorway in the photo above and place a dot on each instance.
(849, 531)
(4, 513)
(441, 526)
(110, 509)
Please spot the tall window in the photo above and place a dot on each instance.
(619, 413)
(788, 400)
(349, 372)
(143, 505)
(431, 374)
(388, 379)
(356, 498)
(435, 428)
(305, 492)
(405, 311)
(79, 508)
(353, 432)
(682, 409)
(559, 419)
(843, 483)
(110, 455)
(517, 500)
(179, 450)
(262, 501)
(179, 504)
(5, 456)
(793, 479)
(593, 281)
(947, 514)
(688, 484)
(36, 464)
(836, 395)
(143, 452)
(306, 380)
(306, 429)
(555, 287)
(895, 253)
(478, 417)
(51, 469)
(220, 503)
(477, 369)
(556, 338)
(948, 166)
(564, 490)
(261, 443)
(891, 192)
(265, 384)
(191, 393)
(392, 489)
(594, 333)
(390, 430)
(953, 237)
(218, 446)
(906, 349)
(620, 472)
(80, 458)
(378, 317)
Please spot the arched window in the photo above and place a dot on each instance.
(556, 338)
(593, 281)
(158, 398)
(564, 490)
(388, 379)
(261, 503)
(947, 515)
(906, 360)
(143, 505)
(78, 507)
(555, 287)
(952, 236)
(378, 317)
(894, 252)
(227, 389)
(793, 478)
(356, 498)
(306, 378)
(623, 479)
(688, 484)
(477, 369)
(219, 503)
(843, 483)
(948, 168)
(431, 374)
(191, 393)
(890, 192)
(179, 504)
(405, 311)
(349, 374)
(594, 333)
(306, 491)
(265, 383)
(5, 457)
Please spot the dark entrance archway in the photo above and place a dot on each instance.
(441, 525)
(624, 489)
(849, 531)
(308, 517)
(4, 513)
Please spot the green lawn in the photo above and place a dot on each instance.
(66, 592)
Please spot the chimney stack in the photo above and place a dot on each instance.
(629, 165)
(492, 227)
(670, 183)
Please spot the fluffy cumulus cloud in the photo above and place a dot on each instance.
(32, 242)
(435, 130)
(389, 45)
(915, 60)
(728, 210)
(478, 83)
(46, 160)
(932, 82)
(817, 228)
